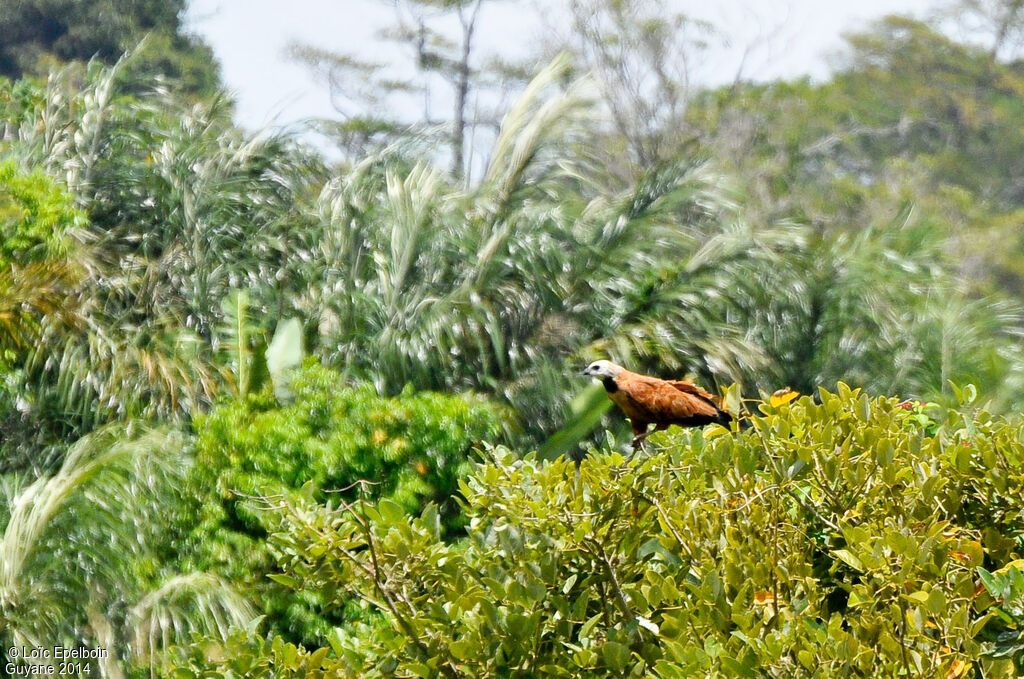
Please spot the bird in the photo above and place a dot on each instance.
(647, 400)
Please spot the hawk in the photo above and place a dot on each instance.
(648, 400)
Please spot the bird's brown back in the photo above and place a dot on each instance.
(647, 399)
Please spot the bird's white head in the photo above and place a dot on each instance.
(603, 370)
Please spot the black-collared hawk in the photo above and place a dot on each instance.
(649, 400)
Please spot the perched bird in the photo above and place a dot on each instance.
(648, 400)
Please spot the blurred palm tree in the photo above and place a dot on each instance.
(882, 307)
(183, 209)
(405, 277)
(507, 285)
(960, 339)
(77, 566)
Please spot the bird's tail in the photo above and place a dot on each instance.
(724, 418)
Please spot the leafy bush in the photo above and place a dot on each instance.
(848, 538)
(411, 449)
(246, 654)
(35, 215)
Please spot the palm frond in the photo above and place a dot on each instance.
(194, 604)
(33, 296)
(78, 530)
(183, 209)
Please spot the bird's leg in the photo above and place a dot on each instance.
(638, 441)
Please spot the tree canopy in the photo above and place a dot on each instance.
(40, 34)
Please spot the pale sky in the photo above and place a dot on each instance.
(250, 38)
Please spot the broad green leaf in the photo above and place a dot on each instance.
(848, 557)
(284, 355)
(585, 413)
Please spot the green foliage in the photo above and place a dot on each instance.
(884, 295)
(39, 279)
(35, 216)
(399, 275)
(78, 562)
(184, 207)
(893, 166)
(828, 539)
(492, 287)
(235, 338)
(39, 34)
(851, 537)
(247, 654)
(183, 210)
(37, 224)
(411, 449)
(584, 413)
(913, 115)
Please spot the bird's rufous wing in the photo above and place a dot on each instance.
(663, 402)
(691, 388)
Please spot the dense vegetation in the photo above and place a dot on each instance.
(410, 450)
(267, 415)
(855, 537)
(39, 34)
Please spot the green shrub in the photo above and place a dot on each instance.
(411, 449)
(847, 538)
(35, 215)
(247, 654)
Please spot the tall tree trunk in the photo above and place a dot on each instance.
(462, 89)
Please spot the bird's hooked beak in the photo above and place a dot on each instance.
(586, 371)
